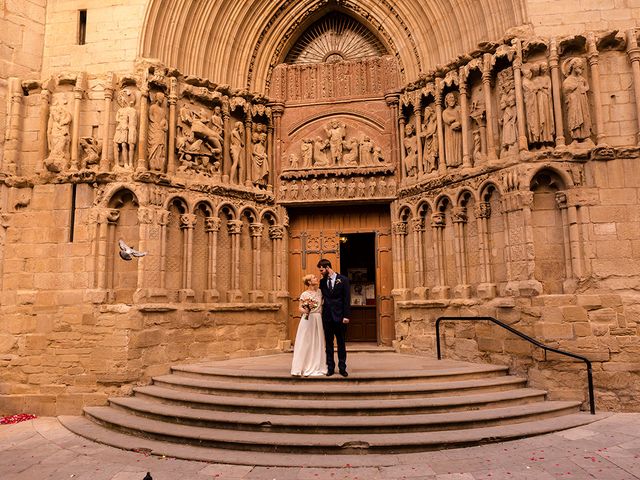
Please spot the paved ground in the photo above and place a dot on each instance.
(605, 450)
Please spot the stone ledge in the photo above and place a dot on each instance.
(204, 307)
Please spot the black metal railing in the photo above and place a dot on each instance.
(592, 401)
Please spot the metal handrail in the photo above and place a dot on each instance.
(592, 401)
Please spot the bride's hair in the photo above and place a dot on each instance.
(307, 279)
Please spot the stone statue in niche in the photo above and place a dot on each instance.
(342, 188)
(126, 136)
(305, 190)
(315, 189)
(575, 88)
(372, 187)
(479, 115)
(319, 152)
(391, 187)
(508, 121)
(293, 190)
(59, 136)
(362, 187)
(452, 131)
(350, 150)
(260, 164)
(531, 105)
(351, 188)
(545, 104)
(429, 135)
(217, 123)
(477, 146)
(91, 150)
(307, 153)
(377, 155)
(410, 147)
(293, 161)
(366, 152)
(333, 188)
(282, 191)
(236, 149)
(157, 136)
(324, 188)
(382, 186)
(336, 132)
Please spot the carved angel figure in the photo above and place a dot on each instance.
(124, 140)
(575, 88)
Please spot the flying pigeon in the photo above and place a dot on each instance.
(127, 253)
(148, 477)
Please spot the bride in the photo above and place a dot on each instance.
(308, 352)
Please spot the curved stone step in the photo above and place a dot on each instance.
(323, 443)
(342, 406)
(336, 390)
(342, 424)
(448, 371)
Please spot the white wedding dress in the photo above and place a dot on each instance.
(309, 358)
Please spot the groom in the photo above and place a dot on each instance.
(336, 310)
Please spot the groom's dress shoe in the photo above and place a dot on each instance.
(344, 373)
(330, 372)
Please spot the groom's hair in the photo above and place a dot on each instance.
(324, 263)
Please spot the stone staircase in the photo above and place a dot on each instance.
(246, 410)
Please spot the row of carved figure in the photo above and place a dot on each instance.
(336, 150)
(538, 110)
(199, 140)
(361, 187)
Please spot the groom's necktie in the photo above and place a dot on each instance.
(330, 284)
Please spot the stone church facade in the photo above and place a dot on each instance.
(451, 157)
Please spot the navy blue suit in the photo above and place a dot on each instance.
(335, 307)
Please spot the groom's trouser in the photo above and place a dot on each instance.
(338, 330)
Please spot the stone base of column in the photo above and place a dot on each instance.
(524, 288)
(276, 296)
(98, 295)
(441, 292)
(570, 285)
(210, 296)
(400, 294)
(186, 295)
(462, 291)
(150, 295)
(256, 296)
(284, 345)
(234, 296)
(487, 290)
(421, 293)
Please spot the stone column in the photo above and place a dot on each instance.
(225, 168)
(561, 201)
(392, 103)
(487, 288)
(270, 155)
(113, 215)
(401, 124)
(460, 218)
(212, 227)
(277, 110)
(78, 93)
(420, 289)
(12, 132)
(276, 234)
(145, 218)
(442, 164)
(171, 150)
(438, 224)
(43, 146)
(464, 114)
(486, 88)
(100, 252)
(109, 89)
(235, 229)
(163, 221)
(574, 228)
(255, 232)
(187, 224)
(556, 85)
(594, 60)
(144, 128)
(4, 224)
(399, 260)
(523, 144)
(633, 51)
(418, 120)
(248, 150)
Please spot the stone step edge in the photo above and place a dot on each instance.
(354, 390)
(325, 443)
(333, 405)
(251, 421)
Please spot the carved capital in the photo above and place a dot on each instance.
(632, 46)
(483, 210)
(188, 220)
(255, 229)
(486, 68)
(553, 53)
(145, 215)
(112, 215)
(561, 200)
(417, 224)
(173, 91)
(163, 217)
(459, 215)
(399, 228)
(592, 49)
(392, 99)
(277, 109)
(234, 227)
(211, 224)
(276, 232)
(438, 220)
(110, 86)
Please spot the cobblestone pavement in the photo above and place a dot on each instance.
(608, 449)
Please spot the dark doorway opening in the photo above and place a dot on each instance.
(358, 263)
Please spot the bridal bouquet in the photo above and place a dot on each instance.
(308, 303)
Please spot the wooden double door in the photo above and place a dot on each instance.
(316, 233)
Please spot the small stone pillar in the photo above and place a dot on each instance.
(420, 289)
(271, 181)
(277, 110)
(487, 288)
(417, 113)
(392, 103)
(109, 89)
(276, 234)
(464, 114)
(248, 150)
(442, 164)
(211, 228)
(594, 63)
(163, 221)
(572, 241)
(633, 51)
(146, 217)
(78, 93)
(486, 88)
(235, 229)
(556, 85)
(400, 290)
(43, 146)
(173, 100)
(143, 133)
(187, 225)
(401, 124)
(255, 232)
(460, 218)
(438, 224)
(225, 168)
(12, 132)
(523, 144)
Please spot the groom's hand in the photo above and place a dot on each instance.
(345, 320)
